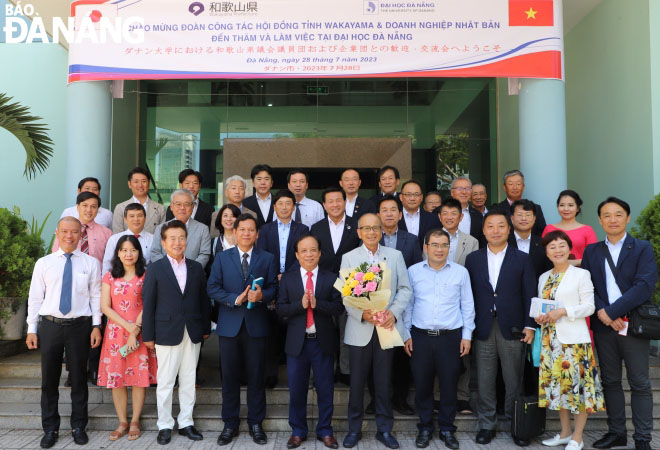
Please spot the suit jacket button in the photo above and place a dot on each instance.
(495, 294)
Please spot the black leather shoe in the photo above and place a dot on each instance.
(403, 408)
(191, 433)
(352, 439)
(371, 408)
(271, 382)
(611, 440)
(521, 442)
(449, 438)
(49, 439)
(344, 379)
(387, 439)
(79, 436)
(258, 435)
(485, 436)
(295, 442)
(642, 445)
(164, 436)
(227, 435)
(423, 439)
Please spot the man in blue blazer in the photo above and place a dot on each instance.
(414, 219)
(243, 325)
(175, 319)
(308, 301)
(617, 291)
(389, 211)
(503, 284)
(277, 238)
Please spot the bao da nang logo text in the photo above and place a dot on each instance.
(95, 24)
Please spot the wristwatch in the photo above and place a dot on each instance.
(96, 326)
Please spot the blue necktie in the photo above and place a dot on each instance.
(67, 282)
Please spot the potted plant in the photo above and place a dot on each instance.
(20, 247)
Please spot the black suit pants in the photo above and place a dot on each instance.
(54, 339)
(362, 361)
(249, 352)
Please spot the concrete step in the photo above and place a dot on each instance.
(207, 418)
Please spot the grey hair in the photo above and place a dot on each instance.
(369, 215)
(234, 178)
(182, 192)
(68, 219)
(453, 182)
(512, 173)
(479, 184)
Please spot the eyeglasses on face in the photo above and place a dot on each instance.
(375, 228)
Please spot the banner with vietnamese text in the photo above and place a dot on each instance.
(185, 39)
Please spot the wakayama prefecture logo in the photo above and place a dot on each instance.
(196, 8)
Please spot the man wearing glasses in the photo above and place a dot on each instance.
(415, 220)
(472, 221)
(439, 320)
(365, 352)
(198, 242)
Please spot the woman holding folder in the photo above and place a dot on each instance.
(568, 378)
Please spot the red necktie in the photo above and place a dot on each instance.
(137, 236)
(84, 244)
(309, 287)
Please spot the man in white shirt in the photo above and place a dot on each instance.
(461, 190)
(235, 187)
(523, 218)
(261, 201)
(65, 293)
(90, 184)
(350, 182)
(307, 211)
(416, 220)
(134, 217)
(138, 183)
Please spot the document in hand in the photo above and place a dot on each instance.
(541, 306)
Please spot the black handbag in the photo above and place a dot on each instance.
(528, 419)
(644, 320)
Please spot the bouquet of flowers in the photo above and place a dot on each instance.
(367, 287)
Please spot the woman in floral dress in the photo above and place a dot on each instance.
(568, 378)
(121, 302)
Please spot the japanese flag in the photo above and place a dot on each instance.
(94, 11)
(531, 13)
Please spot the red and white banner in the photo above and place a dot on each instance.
(318, 38)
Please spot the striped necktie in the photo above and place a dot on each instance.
(84, 243)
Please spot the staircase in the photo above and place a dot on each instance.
(20, 393)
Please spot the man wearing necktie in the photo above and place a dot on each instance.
(243, 326)
(311, 339)
(64, 313)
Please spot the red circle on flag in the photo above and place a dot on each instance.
(95, 15)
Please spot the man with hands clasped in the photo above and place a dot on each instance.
(439, 320)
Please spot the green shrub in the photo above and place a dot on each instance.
(19, 250)
(649, 229)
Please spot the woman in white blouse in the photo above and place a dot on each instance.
(224, 222)
(568, 378)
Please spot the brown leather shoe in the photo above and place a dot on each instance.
(329, 441)
(294, 442)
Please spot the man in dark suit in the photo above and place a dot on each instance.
(523, 218)
(388, 183)
(503, 284)
(337, 234)
(472, 221)
(618, 289)
(514, 186)
(191, 180)
(175, 320)
(277, 238)
(414, 219)
(389, 211)
(308, 301)
(355, 205)
(261, 201)
(242, 329)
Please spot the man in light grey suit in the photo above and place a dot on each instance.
(365, 352)
(460, 245)
(198, 243)
(138, 183)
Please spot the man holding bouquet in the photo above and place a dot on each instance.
(361, 335)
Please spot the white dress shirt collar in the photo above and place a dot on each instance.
(144, 205)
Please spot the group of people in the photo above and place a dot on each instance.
(263, 268)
